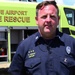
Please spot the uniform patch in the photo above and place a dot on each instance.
(68, 49)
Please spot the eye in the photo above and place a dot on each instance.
(44, 16)
(52, 16)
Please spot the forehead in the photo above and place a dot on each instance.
(48, 9)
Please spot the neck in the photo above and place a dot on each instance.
(48, 36)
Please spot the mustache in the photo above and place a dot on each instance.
(48, 25)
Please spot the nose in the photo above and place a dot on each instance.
(48, 19)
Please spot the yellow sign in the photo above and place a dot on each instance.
(17, 14)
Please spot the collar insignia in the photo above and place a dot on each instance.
(36, 37)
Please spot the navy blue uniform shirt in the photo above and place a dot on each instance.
(38, 56)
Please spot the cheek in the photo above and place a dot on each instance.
(55, 22)
(41, 22)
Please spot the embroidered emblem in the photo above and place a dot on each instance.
(65, 60)
(68, 49)
(31, 53)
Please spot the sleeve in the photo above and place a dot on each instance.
(73, 52)
(17, 64)
(73, 55)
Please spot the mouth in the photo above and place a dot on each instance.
(48, 26)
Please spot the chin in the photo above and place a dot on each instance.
(47, 31)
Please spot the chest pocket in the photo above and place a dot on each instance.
(69, 62)
(32, 63)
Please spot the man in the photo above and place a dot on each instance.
(47, 52)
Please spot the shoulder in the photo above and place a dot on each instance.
(69, 41)
(30, 39)
(65, 37)
(27, 42)
(68, 38)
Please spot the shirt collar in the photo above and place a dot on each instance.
(58, 35)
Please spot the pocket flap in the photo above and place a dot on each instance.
(33, 62)
(68, 61)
